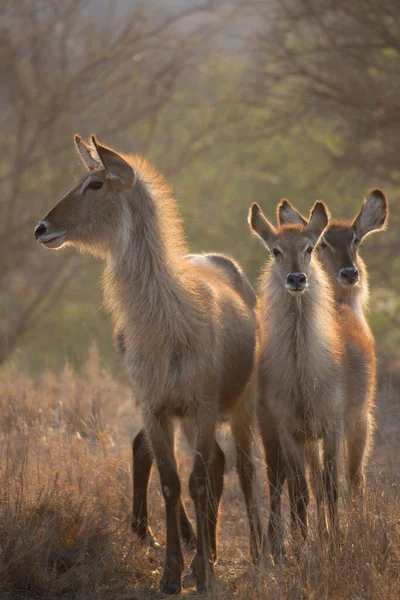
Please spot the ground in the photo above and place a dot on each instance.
(65, 477)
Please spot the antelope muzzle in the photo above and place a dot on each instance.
(45, 234)
(296, 283)
(348, 276)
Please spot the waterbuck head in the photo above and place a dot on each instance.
(92, 216)
(338, 249)
(291, 246)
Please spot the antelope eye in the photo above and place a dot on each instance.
(94, 185)
(357, 241)
(309, 249)
(276, 252)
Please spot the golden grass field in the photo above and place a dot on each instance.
(65, 485)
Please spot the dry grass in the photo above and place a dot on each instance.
(65, 481)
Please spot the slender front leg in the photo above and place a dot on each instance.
(142, 465)
(216, 473)
(294, 453)
(358, 441)
(159, 431)
(201, 492)
(276, 479)
(187, 532)
(314, 461)
(242, 433)
(217, 485)
(332, 449)
(276, 474)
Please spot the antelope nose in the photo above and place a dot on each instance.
(349, 274)
(296, 280)
(40, 229)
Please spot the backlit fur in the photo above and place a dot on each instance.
(190, 338)
(340, 249)
(302, 371)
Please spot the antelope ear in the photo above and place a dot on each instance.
(373, 215)
(89, 156)
(286, 214)
(115, 165)
(261, 226)
(319, 219)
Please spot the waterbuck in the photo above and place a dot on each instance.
(338, 253)
(308, 357)
(190, 335)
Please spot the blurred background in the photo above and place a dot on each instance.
(233, 101)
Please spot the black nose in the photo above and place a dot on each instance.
(296, 280)
(40, 230)
(349, 274)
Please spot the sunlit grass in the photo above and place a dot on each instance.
(65, 490)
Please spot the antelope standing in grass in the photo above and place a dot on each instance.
(190, 334)
(338, 252)
(309, 357)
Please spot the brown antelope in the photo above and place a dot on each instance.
(189, 330)
(338, 252)
(308, 357)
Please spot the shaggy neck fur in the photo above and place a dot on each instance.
(147, 283)
(303, 328)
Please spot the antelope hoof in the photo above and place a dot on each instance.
(171, 579)
(170, 588)
(205, 588)
(203, 573)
